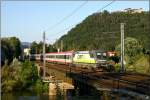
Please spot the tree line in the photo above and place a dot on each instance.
(11, 48)
(37, 48)
(102, 31)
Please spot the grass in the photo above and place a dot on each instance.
(141, 65)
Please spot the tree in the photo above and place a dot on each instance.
(16, 46)
(11, 48)
(37, 48)
(10, 76)
(20, 75)
(87, 34)
(33, 48)
(132, 49)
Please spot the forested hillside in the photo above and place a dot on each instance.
(102, 31)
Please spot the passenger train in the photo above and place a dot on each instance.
(87, 59)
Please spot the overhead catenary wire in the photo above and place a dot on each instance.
(68, 16)
(106, 6)
(64, 29)
(96, 12)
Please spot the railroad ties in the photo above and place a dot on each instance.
(128, 81)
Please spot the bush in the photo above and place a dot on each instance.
(41, 87)
(132, 49)
(19, 75)
(10, 76)
(117, 67)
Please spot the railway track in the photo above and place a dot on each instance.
(129, 81)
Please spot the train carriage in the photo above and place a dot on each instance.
(59, 57)
(88, 59)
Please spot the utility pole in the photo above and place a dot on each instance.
(43, 54)
(61, 45)
(122, 47)
(57, 46)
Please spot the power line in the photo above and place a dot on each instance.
(66, 17)
(64, 29)
(106, 5)
(96, 11)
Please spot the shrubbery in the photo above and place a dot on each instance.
(135, 59)
(21, 75)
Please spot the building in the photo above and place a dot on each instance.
(111, 53)
(26, 51)
(130, 10)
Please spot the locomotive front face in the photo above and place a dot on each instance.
(101, 59)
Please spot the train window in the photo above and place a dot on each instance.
(101, 55)
(70, 57)
(58, 56)
(61, 56)
(67, 56)
(52, 56)
(98, 55)
(64, 56)
(104, 55)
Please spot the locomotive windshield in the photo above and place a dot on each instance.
(101, 55)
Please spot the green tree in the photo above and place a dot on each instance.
(16, 46)
(132, 49)
(11, 48)
(28, 74)
(19, 75)
(93, 31)
(37, 48)
(10, 76)
(34, 48)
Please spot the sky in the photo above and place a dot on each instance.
(27, 20)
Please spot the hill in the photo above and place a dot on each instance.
(25, 44)
(102, 31)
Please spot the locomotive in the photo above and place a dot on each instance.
(85, 59)
(90, 59)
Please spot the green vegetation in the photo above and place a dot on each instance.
(135, 59)
(37, 48)
(97, 31)
(18, 75)
(10, 49)
(21, 76)
(133, 49)
(102, 31)
(141, 65)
